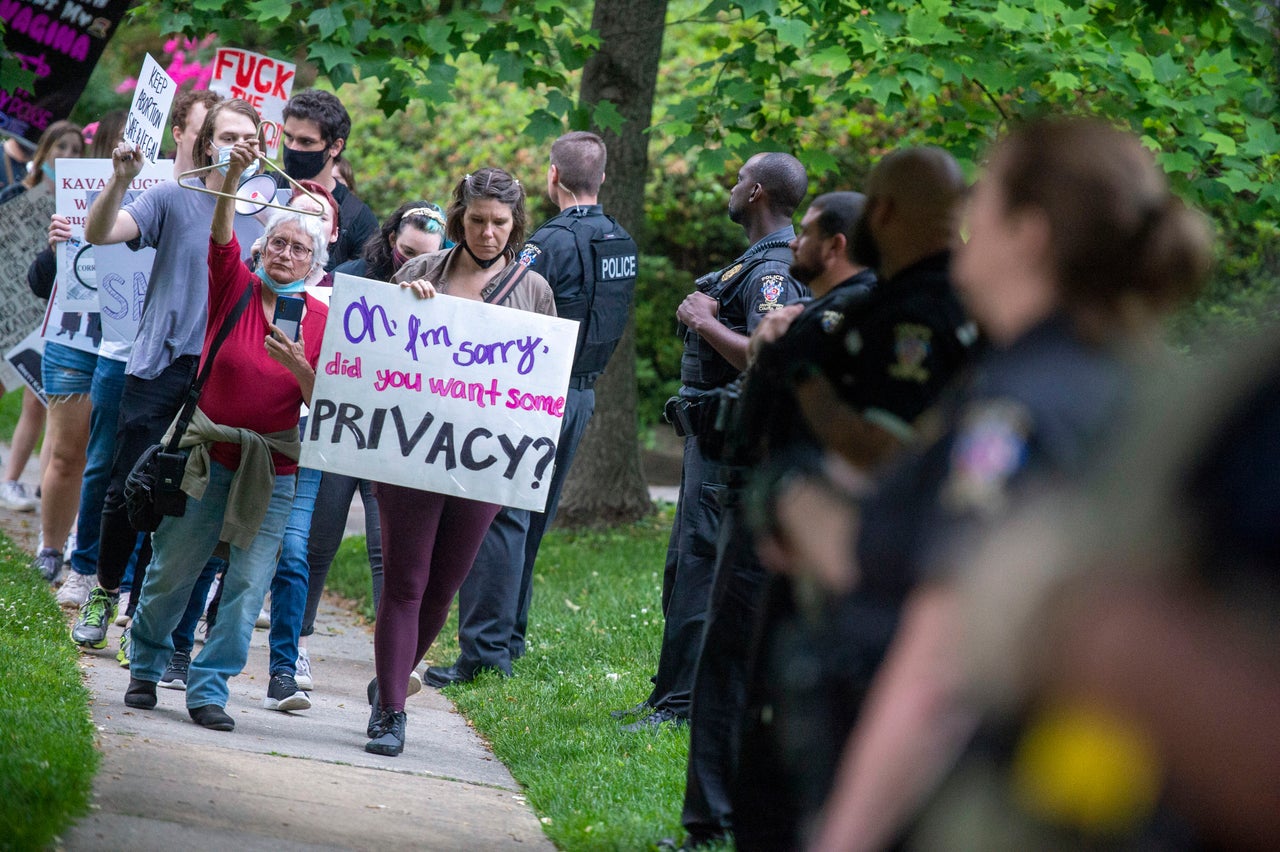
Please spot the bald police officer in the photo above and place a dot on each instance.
(591, 264)
(717, 318)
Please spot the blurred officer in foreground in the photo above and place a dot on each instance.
(591, 262)
(1077, 249)
(717, 319)
(862, 376)
(1129, 682)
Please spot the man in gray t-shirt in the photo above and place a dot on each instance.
(166, 354)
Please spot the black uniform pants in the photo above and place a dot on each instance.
(720, 686)
(686, 580)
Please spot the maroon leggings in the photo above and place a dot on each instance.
(429, 541)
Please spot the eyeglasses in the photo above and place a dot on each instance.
(280, 245)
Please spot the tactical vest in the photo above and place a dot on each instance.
(610, 264)
(701, 366)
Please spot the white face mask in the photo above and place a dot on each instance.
(224, 160)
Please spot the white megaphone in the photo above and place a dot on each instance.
(253, 196)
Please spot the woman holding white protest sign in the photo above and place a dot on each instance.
(430, 540)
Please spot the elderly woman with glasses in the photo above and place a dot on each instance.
(243, 445)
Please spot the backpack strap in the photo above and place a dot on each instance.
(510, 278)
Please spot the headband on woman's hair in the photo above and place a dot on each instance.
(425, 211)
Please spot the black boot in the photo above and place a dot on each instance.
(389, 739)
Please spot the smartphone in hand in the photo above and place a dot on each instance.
(288, 315)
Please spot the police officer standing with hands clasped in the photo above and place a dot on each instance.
(717, 318)
(591, 264)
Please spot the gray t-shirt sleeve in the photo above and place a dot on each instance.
(147, 211)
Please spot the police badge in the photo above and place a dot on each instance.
(771, 287)
(730, 272)
(911, 347)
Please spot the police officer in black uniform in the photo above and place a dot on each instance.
(717, 319)
(762, 420)
(591, 264)
(862, 376)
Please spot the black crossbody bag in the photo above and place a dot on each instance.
(153, 489)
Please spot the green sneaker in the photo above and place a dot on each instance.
(90, 629)
(126, 645)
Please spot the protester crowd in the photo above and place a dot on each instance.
(912, 560)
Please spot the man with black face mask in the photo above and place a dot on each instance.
(316, 126)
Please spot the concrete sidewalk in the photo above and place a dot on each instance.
(294, 781)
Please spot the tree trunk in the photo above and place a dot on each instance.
(607, 482)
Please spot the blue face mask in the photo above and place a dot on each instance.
(47, 168)
(224, 160)
(291, 288)
(298, 286)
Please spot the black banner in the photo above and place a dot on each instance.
(59, 41)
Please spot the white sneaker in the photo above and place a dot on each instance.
(75, 591)
(264, 620)
(123, 620)
(70, 547)
(15, 497)
(415, 684)
(302, 671)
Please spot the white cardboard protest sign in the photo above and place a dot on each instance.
(100, 289)
(24, 223)
(144, 128)
(446, 394)
(262, 81)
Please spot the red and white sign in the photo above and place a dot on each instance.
(262, 81)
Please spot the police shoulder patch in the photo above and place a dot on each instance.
(771, 287)
(911, 346)
(830, 321)
(990, 447)
(529, 253)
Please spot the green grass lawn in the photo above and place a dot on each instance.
(10, 408)
(47, 757)
(594, 632)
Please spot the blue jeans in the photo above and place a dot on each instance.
(66, 371)
(180, 549)
(292, 577)
(184, 635)
(108, 383)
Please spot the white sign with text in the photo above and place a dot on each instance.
(144, 128)
(446, 394)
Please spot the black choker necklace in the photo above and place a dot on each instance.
(483, 264)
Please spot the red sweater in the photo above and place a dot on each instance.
(247, 388)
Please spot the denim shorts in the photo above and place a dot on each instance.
(66, 371)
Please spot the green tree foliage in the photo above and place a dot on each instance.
(472, 82)
(1198, 86)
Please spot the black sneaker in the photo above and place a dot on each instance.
(655, 721)
(283, 694)
(141, 694)
(213, 717)
(175, 676)
(389, 734)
